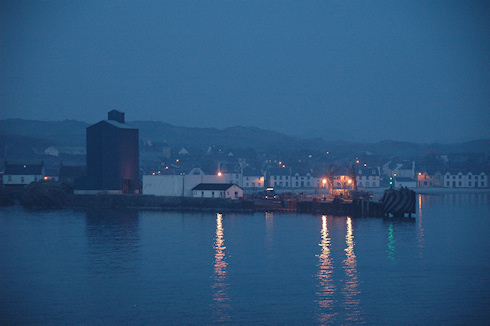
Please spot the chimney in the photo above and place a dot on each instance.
(116, 116)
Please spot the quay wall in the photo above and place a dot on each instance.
(354, 208)
(157, 202)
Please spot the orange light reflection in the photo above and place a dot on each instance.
(327, 288)
(351, 286)
(221, 308)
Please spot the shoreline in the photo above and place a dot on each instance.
(436, 191)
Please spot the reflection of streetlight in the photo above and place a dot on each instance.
(324, 182)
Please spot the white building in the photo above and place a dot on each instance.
(279, 178)
(303, 180)
(460, 179)
(403, 169)
(367, 177)
(217, 190)
(233, 177)
(17, 176)
(252, 179)
(176, 185)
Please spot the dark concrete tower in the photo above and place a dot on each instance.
(113, 155)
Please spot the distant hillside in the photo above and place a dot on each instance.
(21, 134)
(234, 137)
(66, 132)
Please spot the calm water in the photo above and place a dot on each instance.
(164, 268)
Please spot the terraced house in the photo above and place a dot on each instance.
(465, 179)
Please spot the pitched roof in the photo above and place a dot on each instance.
(367, 171)
(119, 124)
(115, 124)
(280, 171)
(251, 172)
(213, 186)
(23, 169)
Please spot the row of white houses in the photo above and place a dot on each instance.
(453, 179)
(19, 175)
(184, 184)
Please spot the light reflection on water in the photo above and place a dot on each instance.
(327, 287)
(351, 286)
(145, 267)
(420, 225)
(331, 309)
(221, 301)
(269, 226)
(391, 243)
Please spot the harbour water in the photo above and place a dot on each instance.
(100, 267)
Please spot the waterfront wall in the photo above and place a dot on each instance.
(158, 202)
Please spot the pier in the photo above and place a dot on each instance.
(394, 203)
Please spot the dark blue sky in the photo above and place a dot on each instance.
(364, 70)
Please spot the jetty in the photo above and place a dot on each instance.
(394, 203)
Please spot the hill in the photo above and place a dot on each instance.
(19, 135)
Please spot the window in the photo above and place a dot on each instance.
(22, 179)
(308, 183)
(253, 184)
(459, 183)
(447, 184)
(202, 193)
(287, 184)
(469, 183)
(236, 194)
(460, 176)
(296, 183)
(212, 194)
(360, 172)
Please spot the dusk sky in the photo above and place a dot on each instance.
(355, 70)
